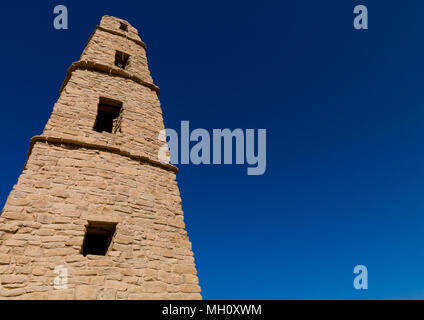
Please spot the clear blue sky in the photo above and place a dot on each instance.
(344, 110)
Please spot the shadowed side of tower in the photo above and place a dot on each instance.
(94, 214)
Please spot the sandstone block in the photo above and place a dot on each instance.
(13, 279)
(86, 292)
(4, 259)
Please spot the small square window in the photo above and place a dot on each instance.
(121, 59)
(98, 237)
(123, 26)
(108, 116)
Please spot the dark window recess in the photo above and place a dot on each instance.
(108, 116)
(98, 238)
(121, 59)
(123, 26)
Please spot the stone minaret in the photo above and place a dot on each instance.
(94, 214)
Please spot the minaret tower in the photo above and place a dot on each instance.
(95, 214)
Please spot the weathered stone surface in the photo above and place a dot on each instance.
(86, 292)
(12, 292)
(13, 279)
(4, 259)
(75, 176)
(184, 268)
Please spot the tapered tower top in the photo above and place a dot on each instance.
(116, 44)
(119, 25)
(108, 98)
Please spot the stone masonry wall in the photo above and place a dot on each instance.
(75, 112)
(75, 175)
(103, 45)
(43, 225)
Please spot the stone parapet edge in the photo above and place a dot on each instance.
(103, 68)
(101, 147)
(117, 33)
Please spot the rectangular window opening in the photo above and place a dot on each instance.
(108, 116)
(98, 238)
(123, 26)
(121, 59)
